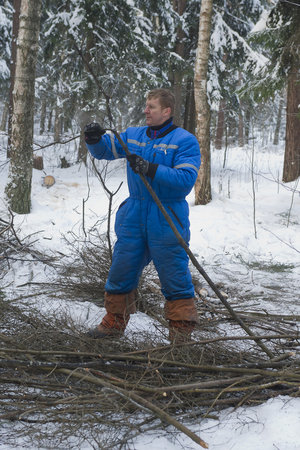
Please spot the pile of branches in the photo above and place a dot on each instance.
(106, 392)
(9, 241)
(59, 388)
(13, 248)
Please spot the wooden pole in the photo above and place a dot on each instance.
(193, 258)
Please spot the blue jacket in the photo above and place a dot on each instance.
(177, 154)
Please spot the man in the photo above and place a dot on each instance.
(169, 157)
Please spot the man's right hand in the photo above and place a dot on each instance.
(93, 133)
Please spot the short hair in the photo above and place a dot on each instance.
(165, 96)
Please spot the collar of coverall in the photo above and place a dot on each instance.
(161, 130)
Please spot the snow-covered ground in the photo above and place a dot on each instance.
(250, 246)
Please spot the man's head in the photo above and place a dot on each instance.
(160, 105)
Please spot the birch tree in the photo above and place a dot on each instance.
(15, 31)
(5, 56)
(203, 114)
(18, 188)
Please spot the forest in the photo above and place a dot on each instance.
(95, 60)
(234, 68)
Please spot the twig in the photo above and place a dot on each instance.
(55, 142)
(281, 240)
(110, 198)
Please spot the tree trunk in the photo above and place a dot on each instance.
(278, 120)
(82, 149)
(247, 125)
(190, 113)
(241, 129)
(203, 186)
(43, 116)
(18, 188)
(57, 123)
(178, 6)
(241, 117)
(15, 31)
(291, 168)
(50, 120)
(220, 125)
(4, 116)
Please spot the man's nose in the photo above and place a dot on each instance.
(146, 110)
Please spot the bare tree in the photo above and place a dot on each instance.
(203, 113)
(18, 188)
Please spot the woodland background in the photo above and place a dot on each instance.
(234, 68)
(95, 60)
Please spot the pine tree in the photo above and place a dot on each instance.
(280, 39)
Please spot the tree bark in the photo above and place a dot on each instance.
(203, 114)
(57, 122)
(18, 188)
(190, 113)
(43, 116)
(15, 31)
(291, 168)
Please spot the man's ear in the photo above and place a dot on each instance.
(167, 112)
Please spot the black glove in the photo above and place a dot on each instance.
(141, 165)
(93, 133)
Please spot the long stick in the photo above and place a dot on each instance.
(192, 257)
(139, 401)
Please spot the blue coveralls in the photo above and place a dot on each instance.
(143, 233)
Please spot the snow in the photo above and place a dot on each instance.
(222, 238)
(270, 426)
(262, 23)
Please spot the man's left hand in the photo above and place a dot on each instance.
(141, 166)
(138, 164)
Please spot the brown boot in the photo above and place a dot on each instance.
(180, 331)
(112, 325)
(182, 316)
(118, 307)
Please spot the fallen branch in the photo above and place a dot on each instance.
(141, 402)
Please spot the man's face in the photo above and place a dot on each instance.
(155, 113)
